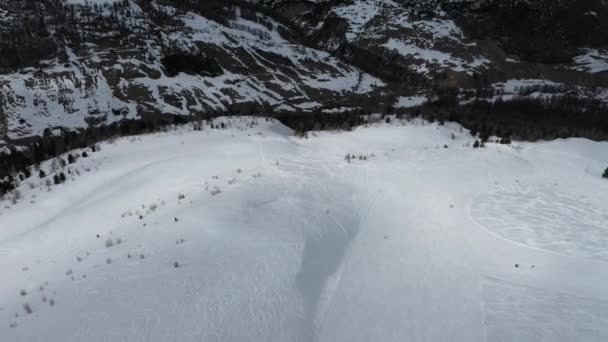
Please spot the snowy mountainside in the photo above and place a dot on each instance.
(252, 233)
(249, 60)
(75, 64)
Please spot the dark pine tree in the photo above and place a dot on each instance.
(62, 177)
(42, 174)
(56, 179)
(605, 175)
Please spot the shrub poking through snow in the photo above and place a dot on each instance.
(176, 264)
(23, 293)
(28, 310)
(605, 175)
(109, 243)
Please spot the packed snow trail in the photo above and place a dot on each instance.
(251, 234)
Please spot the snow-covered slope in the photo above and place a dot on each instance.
(250, 61)
(250, 234)
(426, 44)
(77, 63)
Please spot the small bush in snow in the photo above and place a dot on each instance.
(16, 196)
(605, 175)
(109, 243)
(28, 310)
(108, 261)
(23, 293)
(176, 264)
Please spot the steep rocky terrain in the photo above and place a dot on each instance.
(82, 63)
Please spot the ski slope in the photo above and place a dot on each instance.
(251, 234)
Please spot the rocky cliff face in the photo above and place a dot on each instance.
(80, 63)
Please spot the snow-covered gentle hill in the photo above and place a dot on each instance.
(244, 232)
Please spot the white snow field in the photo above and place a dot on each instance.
(252, 234)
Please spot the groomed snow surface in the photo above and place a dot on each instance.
(251, 234)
